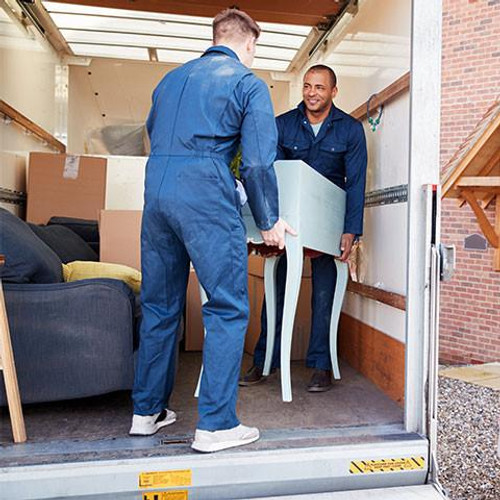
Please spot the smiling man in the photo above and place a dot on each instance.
(333, 143)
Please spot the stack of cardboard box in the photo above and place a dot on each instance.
(76, 186)
(301, 329)
(65, 185)
(302, 324)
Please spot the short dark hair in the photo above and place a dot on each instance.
(234, 23)
(322, 67)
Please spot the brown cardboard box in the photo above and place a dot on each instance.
(65, 185)
(120, 237)
(193, 337)
(302, 323)
(256, 266)
(301, 330)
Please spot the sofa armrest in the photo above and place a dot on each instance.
(71, 340)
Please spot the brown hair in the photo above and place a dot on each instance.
(322, 67)
(234, 23)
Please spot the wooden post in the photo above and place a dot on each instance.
(496, 255)
(9, 373)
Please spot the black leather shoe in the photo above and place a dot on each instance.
(253, 376)
(321, 381)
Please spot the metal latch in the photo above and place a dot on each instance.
(447, 253)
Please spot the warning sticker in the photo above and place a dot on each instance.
(386, 465)
(166, 495)
(165, 479)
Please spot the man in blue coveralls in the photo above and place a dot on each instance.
(201, 112)
(333, 143)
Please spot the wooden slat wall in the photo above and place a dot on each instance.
(377, 356)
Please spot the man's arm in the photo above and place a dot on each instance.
(258, 151)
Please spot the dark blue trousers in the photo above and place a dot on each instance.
(324, 279)
(192, 214)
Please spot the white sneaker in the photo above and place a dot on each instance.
(207, 441)
(146, 425)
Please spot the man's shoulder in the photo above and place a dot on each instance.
(340, 113)
(288, 115)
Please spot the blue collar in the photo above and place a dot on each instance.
(221, 49)
(332, 115)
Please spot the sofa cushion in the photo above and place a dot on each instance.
(88, 230)
(65, 243)
(27, 258)
(75, 271)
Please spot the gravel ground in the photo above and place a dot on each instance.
(469, 417)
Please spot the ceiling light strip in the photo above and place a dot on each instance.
(64, 30)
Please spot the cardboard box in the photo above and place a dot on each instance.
(194, 332)
(300, 341)
(302, 323)
(65, 185)
(120, 237)
(256, 266)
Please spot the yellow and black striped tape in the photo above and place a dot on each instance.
(386, 465)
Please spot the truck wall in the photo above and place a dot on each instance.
(369, 54)
(111, 93)
(27, 83)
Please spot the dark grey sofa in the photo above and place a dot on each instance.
(70, 340)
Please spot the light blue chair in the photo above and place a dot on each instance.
(315, 208)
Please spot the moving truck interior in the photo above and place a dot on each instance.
(77, 79)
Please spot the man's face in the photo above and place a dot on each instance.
(317, 91)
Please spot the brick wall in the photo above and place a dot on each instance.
(470, 303)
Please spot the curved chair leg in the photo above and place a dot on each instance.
(340, 288)
(270, 268)
(204, 299)
(294, 255)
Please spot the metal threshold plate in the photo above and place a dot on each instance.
(423, 492)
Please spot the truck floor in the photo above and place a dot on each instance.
(97, 428)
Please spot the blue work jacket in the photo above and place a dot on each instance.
(338, 152)
(202, 111)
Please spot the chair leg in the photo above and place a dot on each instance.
(270, 268)
(10, 376)
(294, 254)
(204, 299)
(340, 288)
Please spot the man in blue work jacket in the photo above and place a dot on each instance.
(201, 111)
(333, 143)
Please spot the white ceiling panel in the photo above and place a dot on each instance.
(103, 32)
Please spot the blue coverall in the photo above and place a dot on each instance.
(201, 111)
(339, 153)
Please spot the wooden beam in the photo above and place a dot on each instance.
(496, 254)
(485, 225)
(493, 162)
(485, 202)
(488, 185)
(389, 298)
(8, 367)
(395, 89)
(32, 127)
(277, 11)
(451, 179)
(479, 182)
